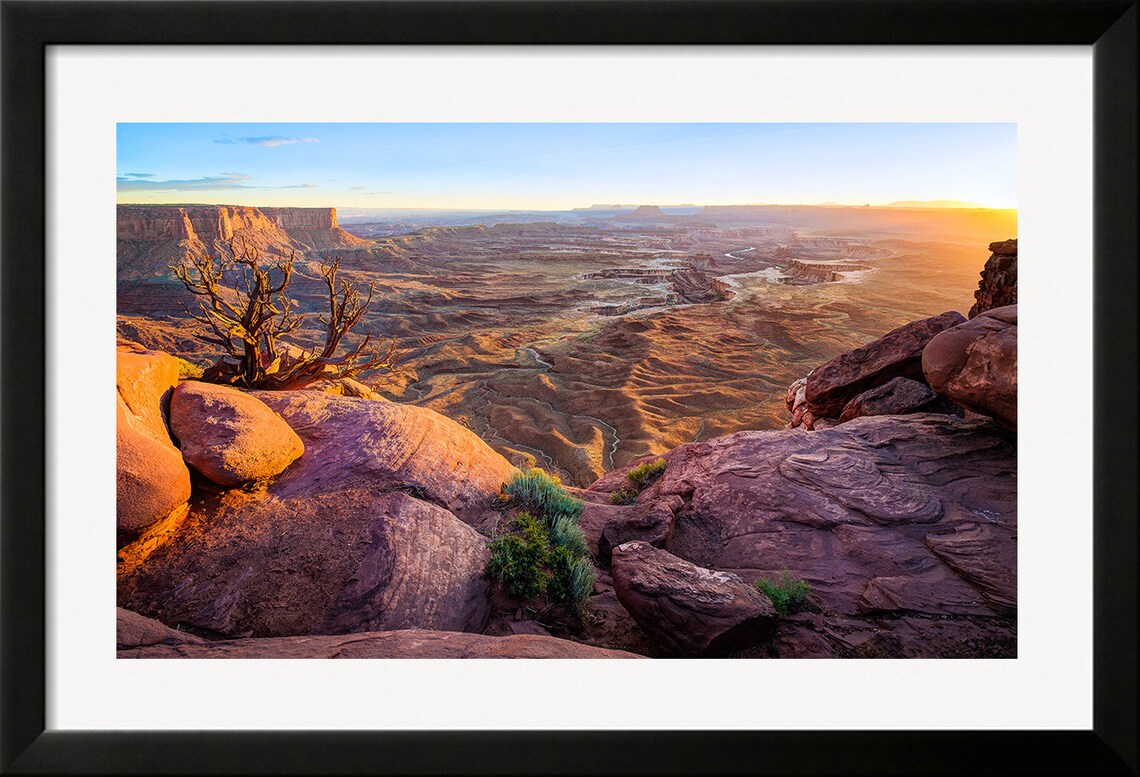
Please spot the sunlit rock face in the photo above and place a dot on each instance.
(230, 436)
(151, 478)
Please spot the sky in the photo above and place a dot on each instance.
(562, 166)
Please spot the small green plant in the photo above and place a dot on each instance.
(787, 593)
(640, 478)
(542, 494)
(543, 550)
(624, 496)
(520, 557)
(643, 475)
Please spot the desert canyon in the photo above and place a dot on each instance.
(826, 392)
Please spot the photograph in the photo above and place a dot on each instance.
(566, 390)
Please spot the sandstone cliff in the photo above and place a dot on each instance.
(150, 236)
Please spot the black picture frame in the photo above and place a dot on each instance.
(1109, 26)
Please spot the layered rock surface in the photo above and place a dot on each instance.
(361, 533)
(892, 520)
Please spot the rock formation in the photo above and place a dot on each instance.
(830, 386)
(151, 479)
(382, 445)
(230, 436)
(411, 643)
(890, 519)
(696, 611)
(151, 236)
(329, 561)
(998, 286)
(975, 364)
(898, 396)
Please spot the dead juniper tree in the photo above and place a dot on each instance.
(246, 306)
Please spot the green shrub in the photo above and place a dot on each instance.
(543, 550)
(643, 475)
(573, 580)
(624, 496)
(542, 494)
(519, 559)
(565, 533)
(787, 594)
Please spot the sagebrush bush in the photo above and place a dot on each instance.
(787, 594)
(645, 474)
(541, 493)
(543, 550)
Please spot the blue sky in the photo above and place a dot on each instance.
(555, 166)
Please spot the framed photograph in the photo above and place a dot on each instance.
(578, 332)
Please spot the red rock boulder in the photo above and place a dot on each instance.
(151, 478)
(975, 364)
(694, 610)
(905, 527)
(334, 560)
(898, 353)
(897, 396)
(229, 436)
(384, 445)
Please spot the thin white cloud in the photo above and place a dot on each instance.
(225, 181)
(267, 141)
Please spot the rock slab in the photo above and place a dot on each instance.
(332, 561)
(412, 643)
(382, 445)
(898, 353)
(696, 611)
(897, 396)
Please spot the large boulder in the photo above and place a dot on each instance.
(386, 445)
(151, 479)
(896, 354)
(412, 643)
(335, 560)
(694, 610)
(905, 527)
(975, 364)
(998, 286)
(230, 436)
(897, 396)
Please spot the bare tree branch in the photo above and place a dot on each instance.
(249, 328)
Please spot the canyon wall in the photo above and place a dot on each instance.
(151, 236)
